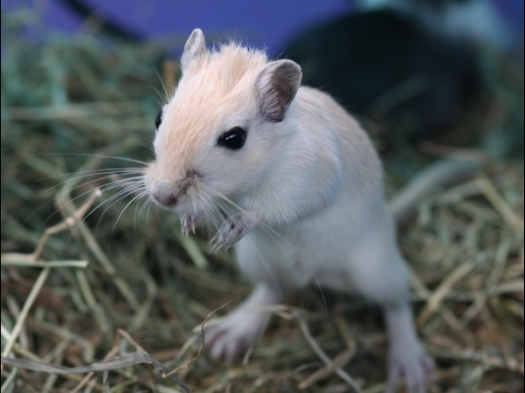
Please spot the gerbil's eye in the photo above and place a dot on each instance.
(158, 119)
(233, 139)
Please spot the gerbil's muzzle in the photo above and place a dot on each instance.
(169, 193)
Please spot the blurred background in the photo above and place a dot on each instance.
(81, 84)
(432, 48)
(270, 24)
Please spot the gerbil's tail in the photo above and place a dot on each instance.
(441, 174)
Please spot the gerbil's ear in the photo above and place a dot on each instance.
(276, 86)
(195, 47)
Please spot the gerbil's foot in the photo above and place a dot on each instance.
(231, 231)
(187, 224)
(408, 358)
(412, 363)
(231, 337)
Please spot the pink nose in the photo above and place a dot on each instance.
(166, 200)
(163, 193)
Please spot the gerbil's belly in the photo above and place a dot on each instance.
(293, 259)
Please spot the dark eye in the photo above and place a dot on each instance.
(233, 139)
(158, 120)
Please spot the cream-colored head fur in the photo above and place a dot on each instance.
(220, 89)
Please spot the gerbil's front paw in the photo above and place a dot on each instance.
(231, 231)
(414, 364)
(187, 224)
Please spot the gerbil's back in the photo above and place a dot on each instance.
(321, 114)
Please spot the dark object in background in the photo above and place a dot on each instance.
(387, 66)
(473, 20)
(86, 11)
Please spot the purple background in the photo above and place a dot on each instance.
(264, 23)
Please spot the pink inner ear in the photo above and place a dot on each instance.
(274, 104)
(277, 85)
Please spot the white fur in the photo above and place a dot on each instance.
(307, 194)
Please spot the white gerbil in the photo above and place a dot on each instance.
(301, 184)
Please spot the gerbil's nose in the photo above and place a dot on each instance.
(164, 194)
(166, 200)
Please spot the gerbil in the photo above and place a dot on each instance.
(302, 187)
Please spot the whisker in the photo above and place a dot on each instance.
(102, 176)
(215, 215)
(114, 198)
(142, 194)
(103, 188)
(92, 173)
(141, 210)
(220, 217)
(150, 203)
(108, 187)
(166, 94)
(244, 211)
(157, 91)
(322, 292)
(112, 201)
(268, 266)
(98, 155)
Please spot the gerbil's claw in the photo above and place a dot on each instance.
(214, 246)
(187, 224)
(231, 231)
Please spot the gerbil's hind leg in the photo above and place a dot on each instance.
(232, 336)
(379, 273)
(407, 356)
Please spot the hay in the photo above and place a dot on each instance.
(69, 104)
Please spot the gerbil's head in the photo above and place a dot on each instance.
(221, 132)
